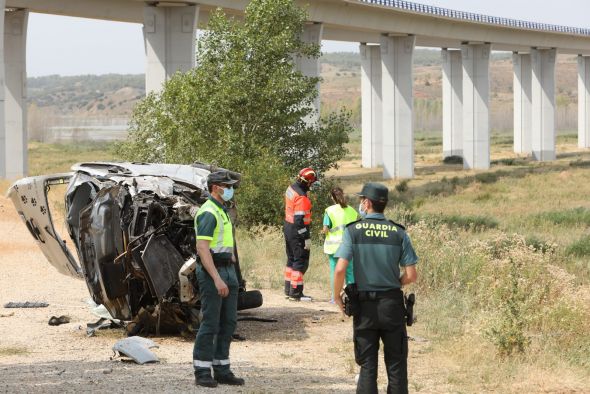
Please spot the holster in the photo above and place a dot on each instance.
(352, 304)
(409, 301)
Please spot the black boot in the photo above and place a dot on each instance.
(229, 378)
(205, 380)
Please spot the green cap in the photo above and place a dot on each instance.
(374, 192)
(220, 178)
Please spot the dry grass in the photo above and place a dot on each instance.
(462, 276)
(13, 351)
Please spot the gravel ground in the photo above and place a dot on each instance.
(308, 349)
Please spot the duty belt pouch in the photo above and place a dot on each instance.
(351, 300)
(409, 301)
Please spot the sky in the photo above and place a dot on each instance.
(74, 46)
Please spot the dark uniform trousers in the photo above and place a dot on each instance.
(297, 256)
(219, 319)
(381, 317)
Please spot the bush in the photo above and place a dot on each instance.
(570, 217)
(580, 163)
(486, 177)
(508, 332)
(538, 245)
(471, 222)
(579, 248)
(503, 289)
(402, 186)
(453, 159)
(261, 195)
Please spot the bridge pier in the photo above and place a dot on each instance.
(169, 34)
(13, 94)
(476, 119)
(372, 132)
(397, 106)
(584, 101)
(522, 102)
(543, 103)
(310, 67)
(2, 96)
(452, 84)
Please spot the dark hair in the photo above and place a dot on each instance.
(210, 186)
(338, 196)
(378, 206)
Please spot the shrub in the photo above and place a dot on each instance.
(579, 248)
(580, 163)
(263, 180)
(471, 222)
(508, 332)
(453, 159)
(402, 186)
(575, 216)
(537, 244)
(486, 177)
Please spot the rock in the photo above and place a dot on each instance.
(107, 371)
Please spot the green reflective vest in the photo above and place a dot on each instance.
(223, 240)
(339, 217)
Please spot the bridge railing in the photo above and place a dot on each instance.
(470, 16)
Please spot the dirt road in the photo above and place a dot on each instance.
(309, 349)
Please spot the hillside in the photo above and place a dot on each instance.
(87, 95)
(108, 100)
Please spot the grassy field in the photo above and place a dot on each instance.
(504, 286)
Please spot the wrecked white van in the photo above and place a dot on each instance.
(131, 225)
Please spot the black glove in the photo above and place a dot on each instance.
(409, 300)
(350, 298)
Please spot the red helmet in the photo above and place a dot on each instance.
(307, 176)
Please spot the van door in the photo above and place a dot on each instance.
(29, 196)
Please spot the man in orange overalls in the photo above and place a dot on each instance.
(297, 233)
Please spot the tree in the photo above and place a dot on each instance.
(244, 107)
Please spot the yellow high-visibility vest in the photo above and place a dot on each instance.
(223, 239)
(339, 217)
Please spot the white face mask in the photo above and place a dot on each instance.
(362, 211)
(228, 193)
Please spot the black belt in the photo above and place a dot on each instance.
(377, 295)
(225, 263)
(217, 264)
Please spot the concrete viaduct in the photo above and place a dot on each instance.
(387, 31)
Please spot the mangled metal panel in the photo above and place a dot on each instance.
(138, 349)
(29, 196)
(162, 262)
(101, 241)
(194, 175)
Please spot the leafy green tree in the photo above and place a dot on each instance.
(244, 107)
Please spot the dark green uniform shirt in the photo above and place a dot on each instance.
(378, 247)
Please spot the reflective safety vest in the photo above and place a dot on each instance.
(223, 239)
(297, 204)
(339, 217)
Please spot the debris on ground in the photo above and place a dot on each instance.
(56, 321)
(6, 314)
(136, 348)
(26, 304)
(102, 324)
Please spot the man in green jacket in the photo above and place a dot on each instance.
(384, 261)
(218, 285)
